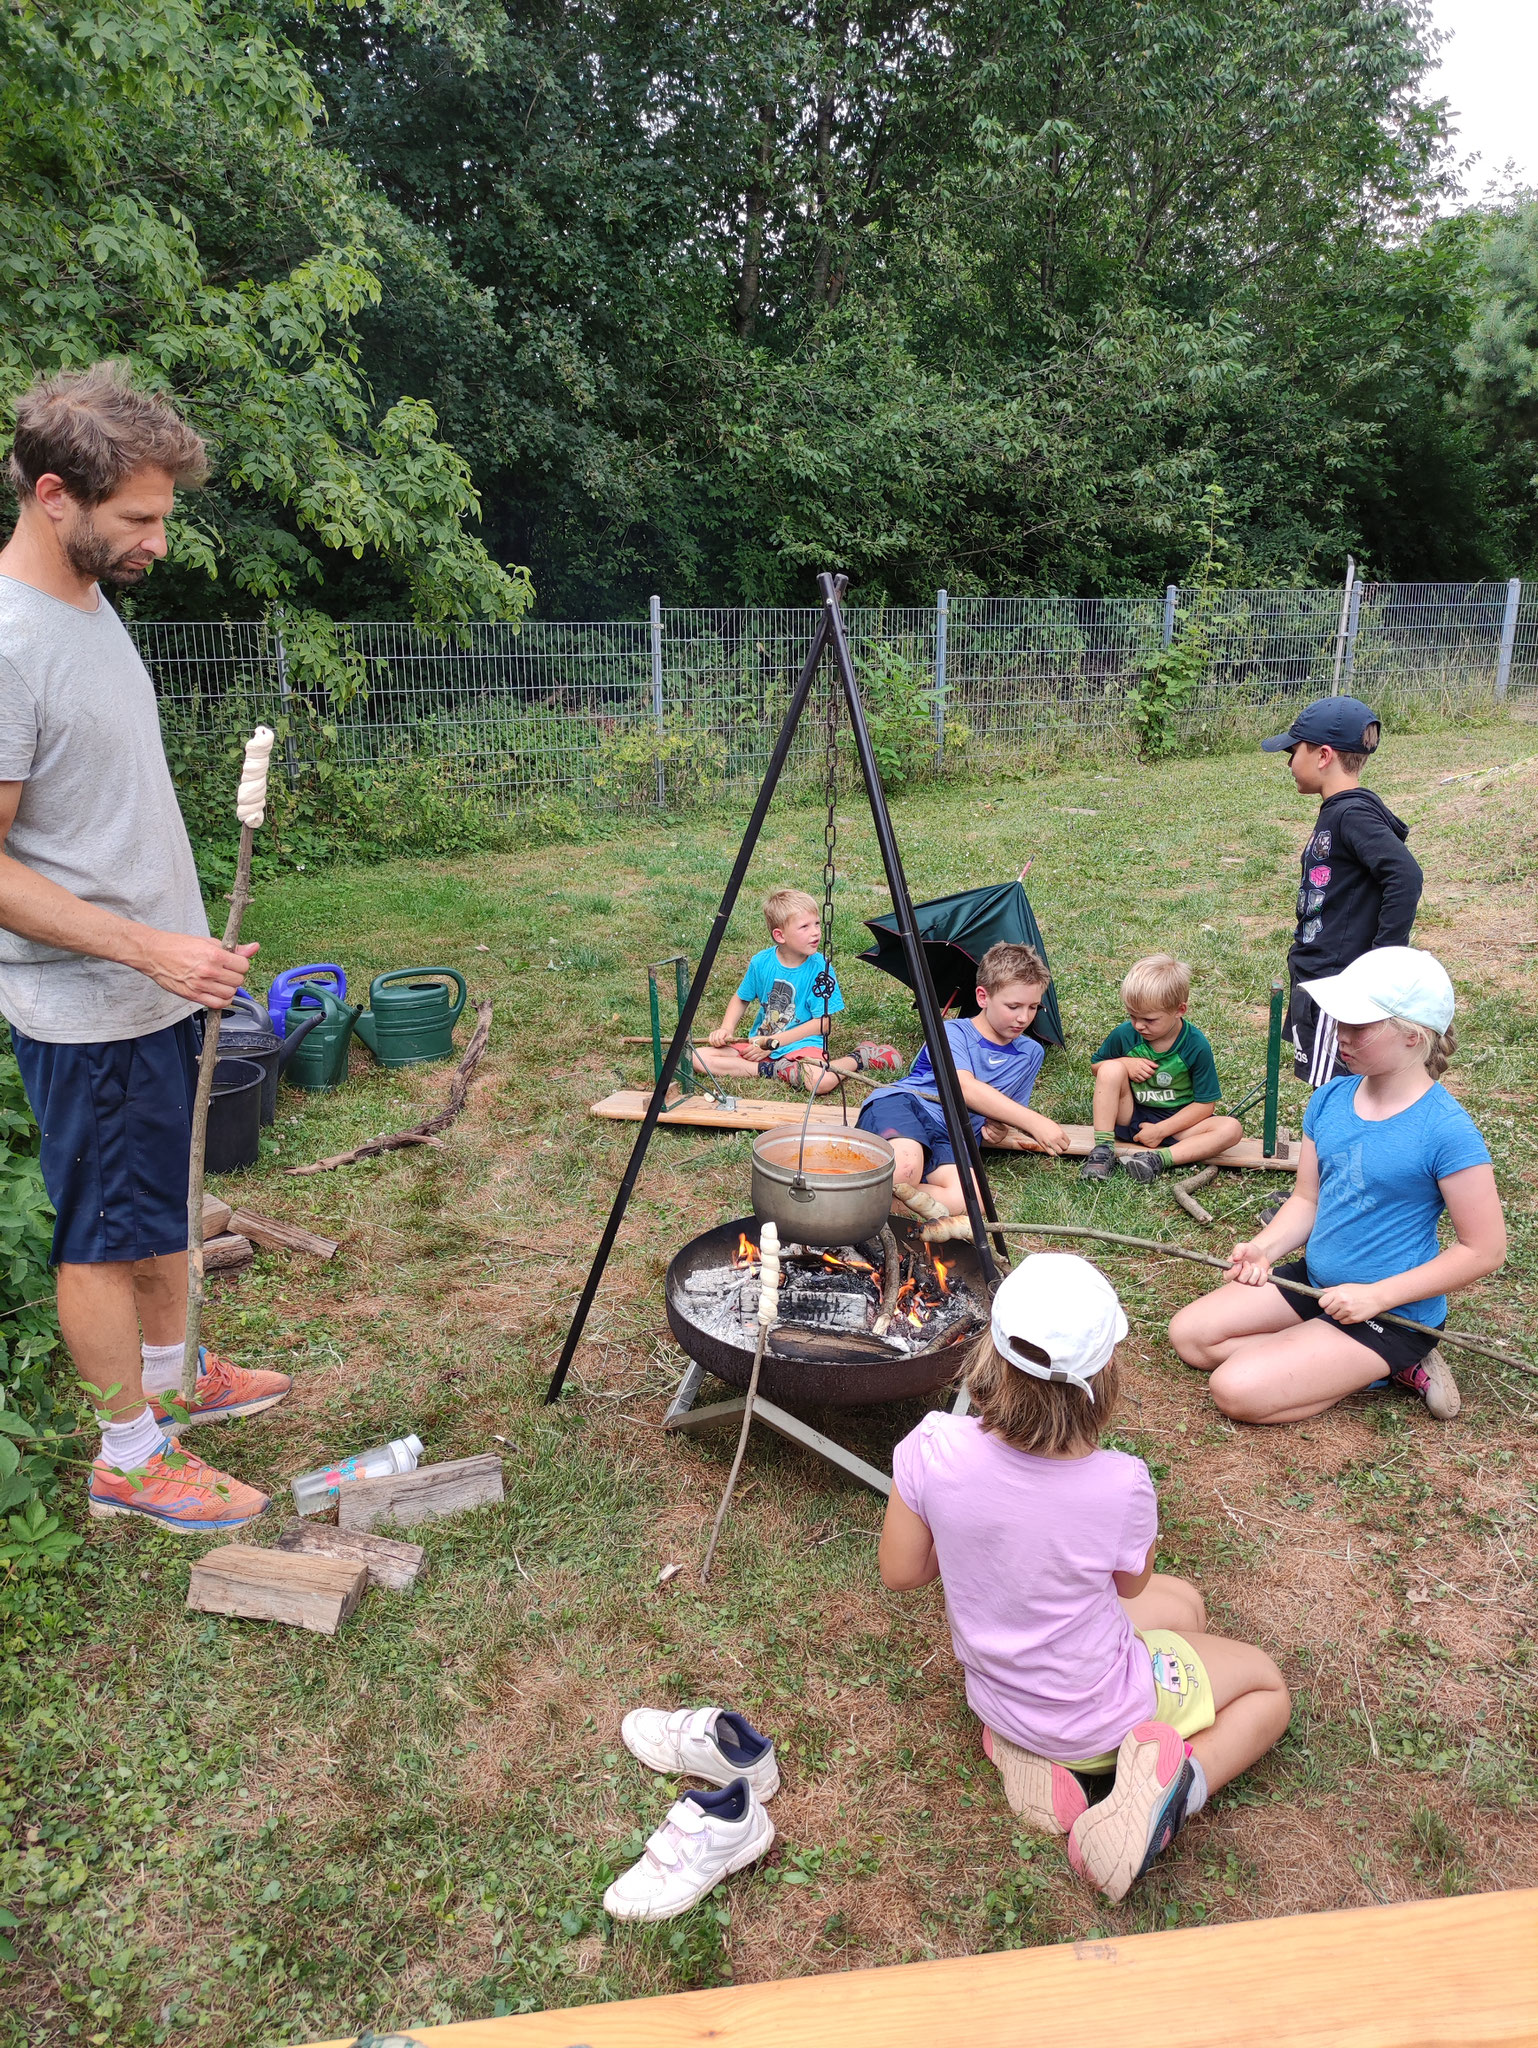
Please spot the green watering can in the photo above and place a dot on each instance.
(404, 1026)
(320, 1061)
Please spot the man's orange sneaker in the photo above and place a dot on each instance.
(177, 1490)
(223, 1392)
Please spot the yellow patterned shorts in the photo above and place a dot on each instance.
(1182, 1691)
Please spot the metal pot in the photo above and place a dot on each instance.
(822, 1186)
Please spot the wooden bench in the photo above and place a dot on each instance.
(628, 1105)
(1457, 1973)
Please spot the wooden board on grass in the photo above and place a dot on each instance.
(274, 1235)
(389, 1564)
(1403, 1976)
(421, 1496)
(628, 1105)
(274, 1585)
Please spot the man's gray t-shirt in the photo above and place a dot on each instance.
(98, 815)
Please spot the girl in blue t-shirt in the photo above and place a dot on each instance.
(1385, 1150)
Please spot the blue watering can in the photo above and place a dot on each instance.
(281, 994)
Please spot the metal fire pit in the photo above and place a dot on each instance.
(850, 1369)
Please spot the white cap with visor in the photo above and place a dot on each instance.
(1063, 1306)
(1391, 981)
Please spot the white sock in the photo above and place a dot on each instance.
(1196, 1798)
(132, 1442)
(162, 1366)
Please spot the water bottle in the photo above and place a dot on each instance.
(314, 1491)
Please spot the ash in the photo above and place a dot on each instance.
(828, 1289)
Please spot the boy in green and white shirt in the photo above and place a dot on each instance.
(1156, 1082)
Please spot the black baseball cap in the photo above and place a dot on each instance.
(1340, 722)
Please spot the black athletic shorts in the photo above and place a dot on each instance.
(116, 1121)
(1399, 1349)
(1311, 1032)
(1141, 1114)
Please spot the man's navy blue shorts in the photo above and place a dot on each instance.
(117, 1136)
(903, 1114)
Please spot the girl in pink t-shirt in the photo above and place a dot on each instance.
(1081, 1661)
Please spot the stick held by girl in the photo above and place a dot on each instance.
(1385, 1150)
(1109, 1710)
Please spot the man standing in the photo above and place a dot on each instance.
(104, 946)
(1360, 883)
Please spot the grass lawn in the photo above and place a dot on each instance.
(242, 1834)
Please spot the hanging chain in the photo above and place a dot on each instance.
(825, 984)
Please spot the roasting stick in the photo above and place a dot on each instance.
(768, 1309)
(939, 1229)
(250, 808)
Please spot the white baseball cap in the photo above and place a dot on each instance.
(1391, 981)
(1063, 1306)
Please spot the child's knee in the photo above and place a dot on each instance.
(1240, 1395)
(1187, 1337)
(1193, 1619)
(1229, 1129)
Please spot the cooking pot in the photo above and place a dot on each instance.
(822, 1185)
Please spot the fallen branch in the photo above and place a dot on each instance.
(1184, 1192)
(958, 1227)
(425, 1133)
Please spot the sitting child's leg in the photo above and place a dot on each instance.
(725, 1060)
(1253, 1708)
(1168, 1602)
(1206, 1140)
(1268, 1363)
(1112, 1103)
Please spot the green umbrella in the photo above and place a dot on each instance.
(956, 931)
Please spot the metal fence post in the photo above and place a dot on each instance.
(283, 697)
(942, 618)
(1340, 630)
(657, 714)
(1171, 598)
(1352, 618)
(1508, 638)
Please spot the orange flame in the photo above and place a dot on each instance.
(941, 1269)
(746, 1254)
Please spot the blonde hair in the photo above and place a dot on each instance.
(1046, 1417)
(1004, 963)
(781, 905)
(1161, 982)
(1436, 1047)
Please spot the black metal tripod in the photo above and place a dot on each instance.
(829, 637)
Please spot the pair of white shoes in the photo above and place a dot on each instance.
(707, 1835)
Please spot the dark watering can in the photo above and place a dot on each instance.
(287, 985)
(321, 1062)
(244, 1034)
(403, 1026)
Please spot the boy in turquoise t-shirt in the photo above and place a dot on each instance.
(787, 1040)
(1156, 1082)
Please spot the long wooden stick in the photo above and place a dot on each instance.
(239, 900)
(768, 1307)
(425, 1133)
(1180, 1251)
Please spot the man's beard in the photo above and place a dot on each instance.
(90, 553)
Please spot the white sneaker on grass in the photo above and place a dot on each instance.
(702, 1742)
(706, 1836)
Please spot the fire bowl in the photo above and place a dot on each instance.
(814, 1364)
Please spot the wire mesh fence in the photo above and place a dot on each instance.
(614, 714)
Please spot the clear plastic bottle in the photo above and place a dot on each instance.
(315, 1491)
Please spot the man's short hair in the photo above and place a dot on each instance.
(781, 905)
(1160, 982)
(93, 430)
(1001, 965)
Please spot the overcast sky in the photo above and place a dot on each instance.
(1489, 74)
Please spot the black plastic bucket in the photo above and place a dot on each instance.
(234, 1116)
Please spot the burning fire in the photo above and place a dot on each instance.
(942, 1267)
(854, 1265)
(746, 1254)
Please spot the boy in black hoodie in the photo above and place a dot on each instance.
(1360, 883)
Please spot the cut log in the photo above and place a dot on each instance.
(226, 1254)
(216, 1217)
(423, 1495)
(390, 1565)
(274, 1235)
(275, 1585)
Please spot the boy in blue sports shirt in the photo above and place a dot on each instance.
(787, 1041)
(997, 1068)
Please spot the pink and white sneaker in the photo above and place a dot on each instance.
(1045, 1795)
(878, 1059)
(1432, 1379)
(1113, 1843)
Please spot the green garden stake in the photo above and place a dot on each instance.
(1273, 1070)
(679, 962)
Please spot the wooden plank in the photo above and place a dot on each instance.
(628, 1105)
(391, 1565)
(1438, 1973)
(226, 1253)
(216, 1217)
(273, 1235)
(273, 1585)
(421, 1496)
